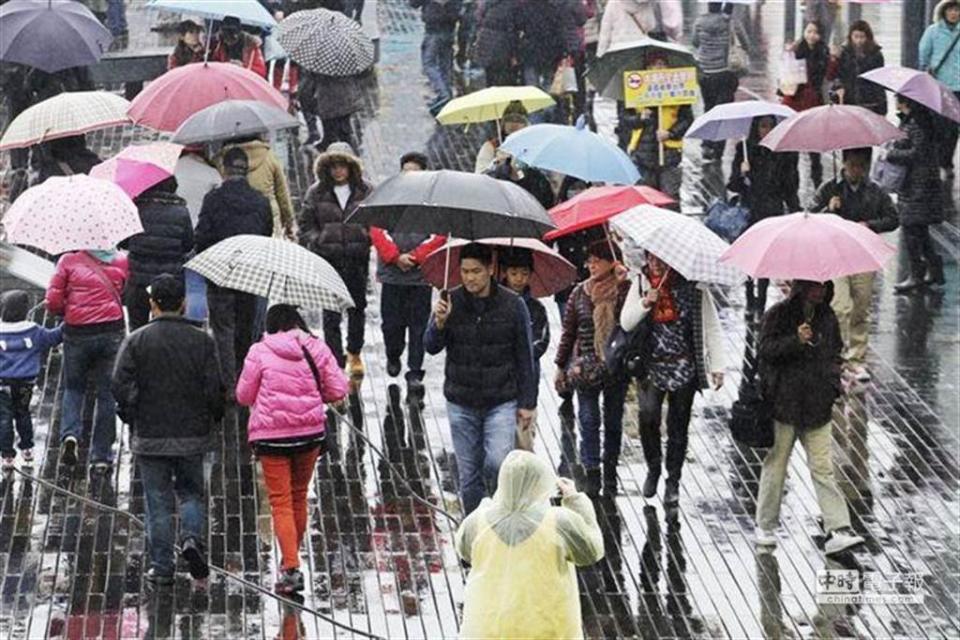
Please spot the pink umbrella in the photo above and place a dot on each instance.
(551, 271)
(139, 167)
(830, 128)
(919, 86)
(70, 213)
(803, 246)
(179, 93)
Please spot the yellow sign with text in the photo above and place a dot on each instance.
(659, 87)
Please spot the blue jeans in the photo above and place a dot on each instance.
(436, 57)
(196, 289)
(482, 438)
(164, 479)
(15, 412)
(83, 356)
(116, 17)
(614, 393)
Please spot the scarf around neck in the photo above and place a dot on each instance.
(666, 307)
(603, 294)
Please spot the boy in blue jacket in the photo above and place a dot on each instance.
(22, 344)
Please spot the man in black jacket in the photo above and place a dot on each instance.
(490, 385)
(168, 389)
(853, 196)
(232, 209)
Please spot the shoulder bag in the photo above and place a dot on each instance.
(727, 218)
(751, 417)
(102, 276)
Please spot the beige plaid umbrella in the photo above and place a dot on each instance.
(67, 114)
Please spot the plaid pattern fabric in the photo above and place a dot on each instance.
(67, 114)
(325, 42)
(281, 271)
(682, 242)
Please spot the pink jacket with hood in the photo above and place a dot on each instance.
(277, 382)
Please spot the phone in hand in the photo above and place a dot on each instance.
(445, 295)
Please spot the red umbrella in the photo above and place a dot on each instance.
(179, 93)
(551, 271)
(596, 205)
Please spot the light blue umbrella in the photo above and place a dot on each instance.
(732, 121)
(250, 12)
(573, 151)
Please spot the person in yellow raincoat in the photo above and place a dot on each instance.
(523, 551)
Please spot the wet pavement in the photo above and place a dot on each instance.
(381, 562)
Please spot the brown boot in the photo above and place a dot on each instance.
(355, 365)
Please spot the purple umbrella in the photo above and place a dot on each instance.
(733, 120)
(919, 86)
(830, 128)
(51, 35)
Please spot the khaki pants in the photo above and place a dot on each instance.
(852, 297)
(818, 443)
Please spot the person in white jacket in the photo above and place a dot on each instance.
(683, 345)
(629, 20)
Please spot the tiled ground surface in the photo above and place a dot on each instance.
(382, 563)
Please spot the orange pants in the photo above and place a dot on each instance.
(287, 478)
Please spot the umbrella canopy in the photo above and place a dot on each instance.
(830, 128)
(140, 166)
(734, 119)
(682, 242)
(169, 100)
(573, 151)
(51, 35)
(453, 203)
(803, 246)
(66, 114)
(551, 271)
(606, 73)
(490, 103)
(70, 213)
(281, 271)
(325, 42)
(920, 87)
(248, 11)
(232, 119)
(596, 205)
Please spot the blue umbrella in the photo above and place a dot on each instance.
(249, 12)
(51, 35)
(573, 151)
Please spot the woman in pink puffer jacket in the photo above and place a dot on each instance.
(287, 377)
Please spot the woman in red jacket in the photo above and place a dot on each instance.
(85, 290)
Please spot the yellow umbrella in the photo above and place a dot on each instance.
(490, 103)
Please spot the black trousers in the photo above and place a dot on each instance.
(921, 252)
(717, 88)
(232, 315)
(679, 405)
(336, 130)
(354, 275)
(757, 295)
(405, 311)
(949, 133)
(137, 301)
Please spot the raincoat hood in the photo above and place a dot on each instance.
(286, 344)
(525, 481)
(940, 9)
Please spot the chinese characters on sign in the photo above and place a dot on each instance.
(660, 87)
(845, 586)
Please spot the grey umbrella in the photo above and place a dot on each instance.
(606, 73)
(325, 42)
(233, 119)
(51, 34)
(454, 203)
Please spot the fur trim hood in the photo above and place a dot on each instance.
(321, 167)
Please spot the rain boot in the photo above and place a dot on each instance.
(935, 271)
(610, 477)
(653, 479)
(907, 285)
(591, 483)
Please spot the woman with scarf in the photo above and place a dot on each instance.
(588, 321)
(810, 94)
(683, 345)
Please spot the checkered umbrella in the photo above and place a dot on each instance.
(682, 242)
(66, 114)
(281, 271)
(325, 42)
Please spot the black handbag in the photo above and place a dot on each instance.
(625, 352)
(751, 417)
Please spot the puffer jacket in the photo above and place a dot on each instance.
(252, 57)
(323, 229)
(801, 381)
(858, 91)
(266, 176)
(278, 383)
(920, 199)
(81, 296)
(711, 41)
(498, 33)
(166, 241)
(936, 39)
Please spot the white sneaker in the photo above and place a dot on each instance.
(841, 540)
(861, 374)
(8, 464)
(766, 538)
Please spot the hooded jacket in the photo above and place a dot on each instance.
(279, 386)
(629, 20)
(232, 209)
(936, 39)
(920, 200)
(252, 58)
(266, 175)
(166, 241)
(322, 225)
(88, 302)
(168, 388)
(801, 381)
(21, 347)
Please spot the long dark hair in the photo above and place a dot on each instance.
(817, 57)
(864, 27)
(284, 317)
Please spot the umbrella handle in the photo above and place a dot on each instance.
(446, 268)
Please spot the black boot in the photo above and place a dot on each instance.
(610, 478)
(671, 494)
(591, 482)
(650, 484)
(911, 283)
(935, 271)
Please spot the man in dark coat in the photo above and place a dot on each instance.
(497, 42)
(436, 50)
(490, 384)
(323, 229)
(168, 389)
(800, 357)
(163, 247)
(234, 208)
(853, 196)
